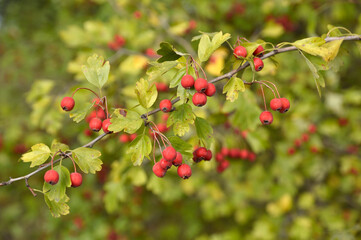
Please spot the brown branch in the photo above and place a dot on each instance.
(144, 116)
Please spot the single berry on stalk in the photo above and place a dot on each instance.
(184, 171)
(201, 85)
(51, 177)
(240, 51)
(95, 124)
(76, 179)
(187, 81)
(67, 104)
(165, 105)
(266, 118)
(199, 99)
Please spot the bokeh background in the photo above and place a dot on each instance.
(311, 193)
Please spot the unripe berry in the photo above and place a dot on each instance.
(258, 64)
(208, 156)
(95, 124)
(184, 171)
(67, 104)
(266, 118)
(259, 51)
(169, 153)
(211, 90)
(76, 179)
(285, 105)
(199, 99)
(165, 164)
(276, 104)
(124, 138)
(105, 125)
(201, 85)
(240, 51)
(165, 105)
(51, 177)
(178, 160)
(187, 81)
(158, 170)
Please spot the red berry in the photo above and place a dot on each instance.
(314, 149)
(169, 153)
(95, 124)
(201, 85)
(96, 101)
(132, 137)
(305, 137)
(199, 99)
(105, 125)
(87, 132)
(67, 104)
(222, 166)
(225, 151)
(208, 155)
(76, 179)
(161, 87)
(101, 113)
(178, 160)
(150, 52)
(266, 118)
(219, 157)
(92, 115)
(291, 151)
(158, 170)
(259, 51)
(258, 64)
(243, 154)
(165, 118)
(233, 153)
(342, 122)
(51, 177)
(120, 41)
(165, 164)
(297, 143)
(113, 46)
(285, 105)
(187, 81)
(137, 14)
(200, 154)
(124, 138)
(165, 105)
(162, 127)
(184, 171)
(211, 90)
(240, 51)
(312, 128)
(276, 104)
(251, 156)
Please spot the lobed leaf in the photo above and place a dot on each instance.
(57, 192)
(140, 147)
(97, 70)
(130, 123)
(38, 155)
(87, 159)
(233, 87)
(146, 94)
(181, 118)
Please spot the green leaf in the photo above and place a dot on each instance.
(232, 87)
(181, 146)
(175, 81)
(57, 192)
(204, 129)
(250, 47)
(140, 147)
(314, 71)
(57, 208)
(87, 159)
(79, 113)
(38, 155)
(158, 69)
(168, 53)
(137, 176)
(146, 94)
(206, 47)
(56, 146)
(130, 123)
(97, 71)
(180, 119)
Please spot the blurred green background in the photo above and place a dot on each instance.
(311, 194)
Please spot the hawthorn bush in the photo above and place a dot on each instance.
(189, 120)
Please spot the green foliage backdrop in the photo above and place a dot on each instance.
(313, 193)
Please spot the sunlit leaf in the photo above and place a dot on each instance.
(87, 159)
(38, 155)
(97, 70)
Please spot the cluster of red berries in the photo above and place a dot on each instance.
(126, 138)
(203, 88)
(303, 139)
(172, 157)
(202, 153)
(281, 105)
(234, 153)
(117, 43)
(94, 118)
(52, 177)
(241, 51)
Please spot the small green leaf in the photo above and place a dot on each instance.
(204, 129)
(57, 192)
(168, 53)
(87, 159)
(79, 113)
(314, 71)
(181, 146)
(130, 123)
(97, 71)
(140, 147)
(56, 146)
(57, 208)
(146, 94)
(175, 81)
(38, 155)
(250, 47)
(206, 47)
(180, 119)
(232, 87)
(158, 69)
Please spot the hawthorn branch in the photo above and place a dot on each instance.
(145, 115)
